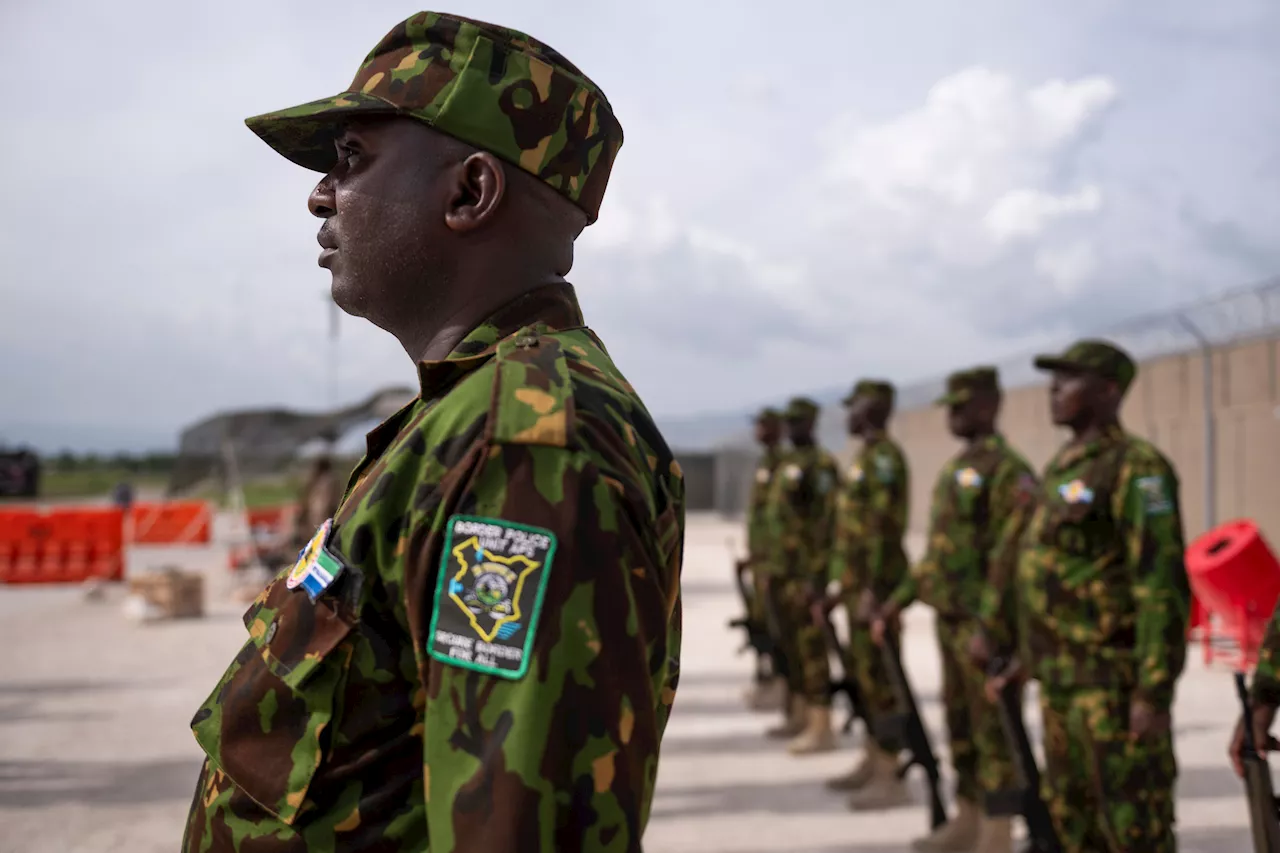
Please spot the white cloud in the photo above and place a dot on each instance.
(1025, 213)
(1068, 267)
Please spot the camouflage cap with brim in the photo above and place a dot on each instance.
(964, 384)
(874, 388)
(491, 87)
(768, 414)
(1101, 358)
(801, 408)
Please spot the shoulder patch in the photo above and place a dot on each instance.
(493, 576)
(825, 481)
(969, 478)
(533, 392)
(855, 473)
(885, 468)
(1154, 492)
(763, 475)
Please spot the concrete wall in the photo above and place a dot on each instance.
(1165, 405)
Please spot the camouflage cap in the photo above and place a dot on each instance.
(876, 388)
(801, 407)
(492, 87)
(962, 385)
(768, 414)
(1098, 357)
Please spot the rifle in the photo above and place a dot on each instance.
(906, 726)
(1264, 808)
(758, 636)
(846, 684)
(1025, 799)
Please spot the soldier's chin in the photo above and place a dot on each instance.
(346, 296)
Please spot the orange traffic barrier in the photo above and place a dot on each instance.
(61, 545)
(171, 523)
(268, 527)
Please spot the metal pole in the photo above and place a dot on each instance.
(1210, 424)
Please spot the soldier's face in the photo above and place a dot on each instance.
(960, 419)
(1069, 397)
(858, 415)
(799, 430)
(768, 432)
(382, 206)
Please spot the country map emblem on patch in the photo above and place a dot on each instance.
(1155, 497)
(316, 568)
(493, 575)
(968, 478)
(1076, 492)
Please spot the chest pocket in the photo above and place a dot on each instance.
(266, 725)
(1078, 529)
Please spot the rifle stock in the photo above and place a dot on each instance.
(907, 727)
(1264, 809)
(1026, 799)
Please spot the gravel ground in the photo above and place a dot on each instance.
(96, 756)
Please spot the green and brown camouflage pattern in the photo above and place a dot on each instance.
(1101, 584)
(1266, 676)
(802, 505)
(982, 500)
(964, 384)
(878, 389)
(871, 519)
(334, 730)
(1099, 357)
(489, 86)
(760, 546)
(1105, 792)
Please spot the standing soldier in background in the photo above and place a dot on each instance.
(1103, 601)
(766, 694)
(981, 503)
(803, 505)
(870, 563)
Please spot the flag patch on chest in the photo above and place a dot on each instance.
(316, 568)
(1076, 492)
(968, 478)
(493, 575)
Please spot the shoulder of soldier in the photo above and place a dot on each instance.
(1141, 455)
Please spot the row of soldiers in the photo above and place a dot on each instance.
(1075, 578)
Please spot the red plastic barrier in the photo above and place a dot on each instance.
(1235, 578)
(268, 525)
(66, 545)
(171, 523)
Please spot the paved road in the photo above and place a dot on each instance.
(95, 755)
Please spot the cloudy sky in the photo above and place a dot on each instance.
(807, 192)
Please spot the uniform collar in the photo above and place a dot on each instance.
(1077, 453)
(553, 305)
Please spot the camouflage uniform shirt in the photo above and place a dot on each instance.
(1101, 586)
(492, 661)
(872, 519)
(759, 546)
(981, 503)
(802, 509)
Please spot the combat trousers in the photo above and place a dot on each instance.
(807, 651)
(866, 663)
(979, 752)
(1105, 793)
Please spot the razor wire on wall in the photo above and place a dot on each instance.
(1203, 327)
